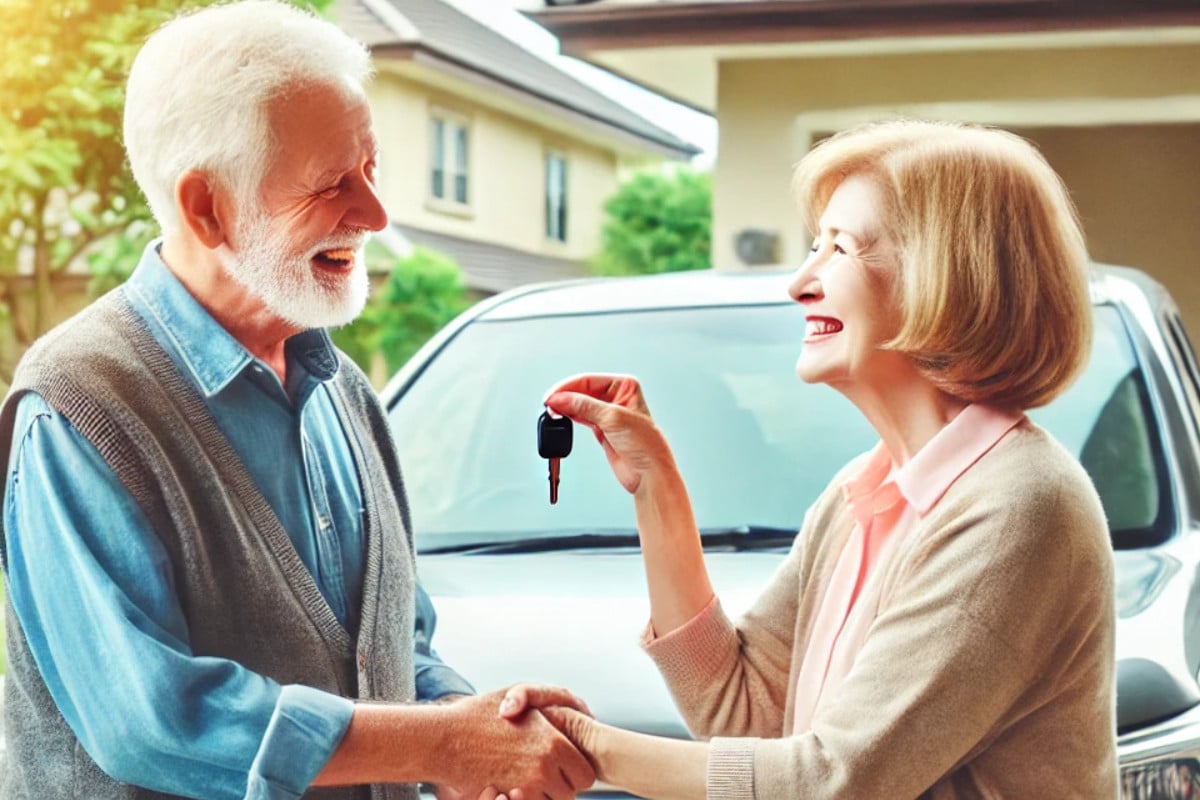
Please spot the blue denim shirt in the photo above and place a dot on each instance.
(91, 584)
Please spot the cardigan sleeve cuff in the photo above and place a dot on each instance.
(651, 639)
(684, 653)
(730, 772)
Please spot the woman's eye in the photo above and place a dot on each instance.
(837, 248)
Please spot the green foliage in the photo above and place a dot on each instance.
(424, 291)
(657, 223)
(64, 183)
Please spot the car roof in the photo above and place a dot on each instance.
(670, 290)
(710, 287)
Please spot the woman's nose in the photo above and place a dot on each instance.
(805, 286)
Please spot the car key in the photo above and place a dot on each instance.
(554, 443)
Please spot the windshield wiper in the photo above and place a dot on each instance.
(747, 537)
(544, 542)
(742, 537)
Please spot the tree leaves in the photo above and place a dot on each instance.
(657, 222)
(423, 292)
(64, 181)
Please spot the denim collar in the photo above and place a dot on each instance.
(198, 343)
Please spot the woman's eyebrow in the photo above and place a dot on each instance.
(834, 230)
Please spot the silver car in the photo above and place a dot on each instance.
(527, 591)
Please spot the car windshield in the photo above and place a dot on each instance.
(754, 443)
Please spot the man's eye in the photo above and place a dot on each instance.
(330, 193)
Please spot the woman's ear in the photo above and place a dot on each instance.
(196, 197)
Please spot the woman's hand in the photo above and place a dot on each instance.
(564, 710)
(583, 731)
(614, 408)
(648, 766)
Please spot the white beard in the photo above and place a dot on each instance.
(289, 285)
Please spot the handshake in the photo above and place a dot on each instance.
(523, 743)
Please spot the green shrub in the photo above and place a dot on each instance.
(423, 292)
(657, 222)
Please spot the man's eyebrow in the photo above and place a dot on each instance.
(329, 176)
(336, 173)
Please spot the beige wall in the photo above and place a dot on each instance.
(507, 172)
(1135, 184)
(1137, 189)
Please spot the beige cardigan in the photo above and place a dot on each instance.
(988, 672)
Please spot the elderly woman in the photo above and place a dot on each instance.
(943, 625)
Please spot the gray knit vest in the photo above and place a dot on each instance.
(244, 591)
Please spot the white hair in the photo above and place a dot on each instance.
(199, 89)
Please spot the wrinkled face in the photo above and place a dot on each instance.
(847, 288)
(298, 246)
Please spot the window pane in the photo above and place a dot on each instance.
(460, 149)
(460, 188)
(437, 156)
(562, 220)
(562, 199)
(556, 198)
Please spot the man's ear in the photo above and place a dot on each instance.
(201, 209)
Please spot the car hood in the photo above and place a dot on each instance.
(575, 619)
(569, 619)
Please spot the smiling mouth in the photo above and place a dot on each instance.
(821, 326)
(340, 258)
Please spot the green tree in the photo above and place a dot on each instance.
(657, 222)
(65, 188)
(423, 292)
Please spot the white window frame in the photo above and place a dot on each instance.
(449, 172)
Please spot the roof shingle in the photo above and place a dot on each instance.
(454, 35)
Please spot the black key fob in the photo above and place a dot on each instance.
(554, 436)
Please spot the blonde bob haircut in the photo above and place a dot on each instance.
(992, 264)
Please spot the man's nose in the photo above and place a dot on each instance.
(368, 211)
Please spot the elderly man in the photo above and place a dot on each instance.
(210, 570)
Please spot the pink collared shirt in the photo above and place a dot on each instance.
(884, 501)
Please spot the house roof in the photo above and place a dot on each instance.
(676, 47)
(587, 25)
(491, 267)
(400, 28)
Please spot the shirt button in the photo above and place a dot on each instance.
(362, 660)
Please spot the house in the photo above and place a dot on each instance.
(1110, 92)
(490, 153)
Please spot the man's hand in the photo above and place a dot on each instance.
(447, 793)
(523, 696)
(523, 757)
